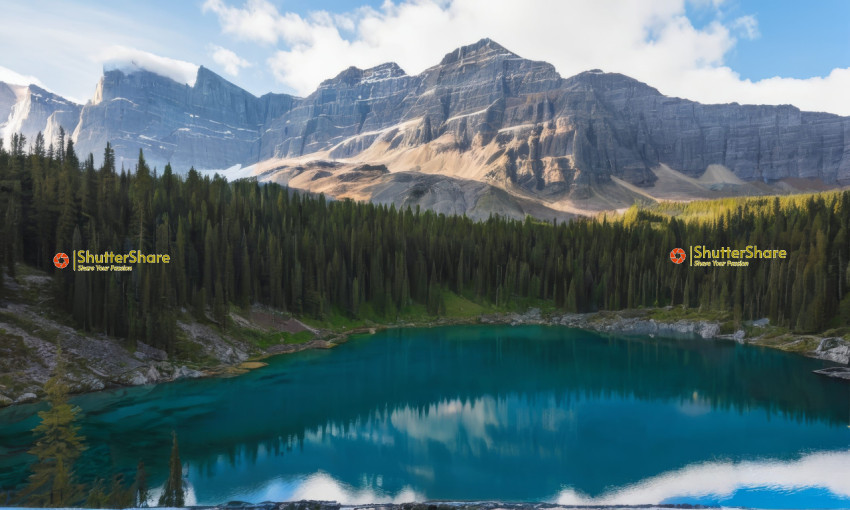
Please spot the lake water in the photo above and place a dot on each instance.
(526, 413)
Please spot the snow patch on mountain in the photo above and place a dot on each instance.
(130, 60)
(233, 173)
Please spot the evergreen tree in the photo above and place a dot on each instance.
(140, 486)
(119, 495)
(173, 493)
(97, 495)
(241, 243)
(52, 483)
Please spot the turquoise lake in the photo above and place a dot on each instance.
(528, 413)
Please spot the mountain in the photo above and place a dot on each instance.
(212, 124)
(29, 109)
(484, 131)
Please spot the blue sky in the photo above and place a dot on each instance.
(797, 39)
(749, 51)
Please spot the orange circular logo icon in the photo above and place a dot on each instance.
(677, 255)
(61, 260)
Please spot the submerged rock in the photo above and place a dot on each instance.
(837, 372)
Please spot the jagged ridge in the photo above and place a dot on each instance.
(483, 113)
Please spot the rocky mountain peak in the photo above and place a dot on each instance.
(482, 50)
(602, 81)
(207, 76)
(354, 75)
(383, 72)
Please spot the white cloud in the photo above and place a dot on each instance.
(653, 42)
(257, 21)
(130, 59)
(230, 61)
(748, 26)
(13, 78)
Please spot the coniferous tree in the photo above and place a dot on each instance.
(140, 486)
(241, 243)
(173, 494)
(52, 483)
(97, 495)
(119, 495)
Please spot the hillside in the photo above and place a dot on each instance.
(234, 246)
(31, 331)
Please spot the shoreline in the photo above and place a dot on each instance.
(639, 322)
(622, 322)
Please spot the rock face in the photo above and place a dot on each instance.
(213, 124)
(30, 109)
(28, 346)
(482, 114)
(554, 135)
(764, 143)
(642, 326)
(833, 349)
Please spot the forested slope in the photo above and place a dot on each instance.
(234, 244)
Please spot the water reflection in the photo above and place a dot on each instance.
(822, 476)
(444, 413)
(816, 480)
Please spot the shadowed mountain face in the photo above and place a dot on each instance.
(593, 141)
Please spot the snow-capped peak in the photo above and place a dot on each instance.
(129, 60)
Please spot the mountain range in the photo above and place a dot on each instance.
(484, 131)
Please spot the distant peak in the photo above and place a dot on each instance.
(354, 75)
(599, 79)
(349, 76)
(482, 50)
(383, 72)
(206, 75)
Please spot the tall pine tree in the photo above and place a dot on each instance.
(52, 483)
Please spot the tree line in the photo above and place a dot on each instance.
(234, 244)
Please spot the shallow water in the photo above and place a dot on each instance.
(485, 412)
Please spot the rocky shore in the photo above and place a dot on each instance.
(640, 322)
(98, 361)
(30, 333)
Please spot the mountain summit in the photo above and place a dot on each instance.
(477, 52)
(483, 116)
